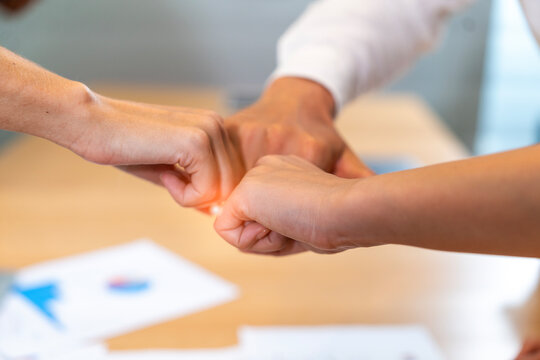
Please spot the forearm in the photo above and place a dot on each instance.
(38, 102)
(482, 205)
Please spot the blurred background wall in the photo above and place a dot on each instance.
(228, 44)
(509, 114)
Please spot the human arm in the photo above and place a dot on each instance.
(487, 204)
(353, 46)
(530, 350)
(294, 117)
(186, 149)
(337, 50)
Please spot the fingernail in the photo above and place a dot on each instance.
(262, 234)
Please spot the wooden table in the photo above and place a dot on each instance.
(54, 204)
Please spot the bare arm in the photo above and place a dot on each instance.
(337, 50)
(38, 102)
(488, 205)
(149, 141)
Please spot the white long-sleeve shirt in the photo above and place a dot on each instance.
(352, 46)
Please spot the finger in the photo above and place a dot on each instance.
(311, 152)
(198, 189)
(270, 243)
(231, 168)
(237, 165)
(529, 346)
(534, 356)
(211, 208)
(206, 210)
(229, 224)
(251, 234)
(291, 248)
(301, 247)
(147, 172)
(203, 186)
(253, 144)
(350, 166)
(173, 179)
(174, 185)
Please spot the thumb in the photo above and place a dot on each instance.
(230, 223)
(350, 166)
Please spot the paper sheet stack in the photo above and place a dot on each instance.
(306, 343)
(67, 303)
(64, 309)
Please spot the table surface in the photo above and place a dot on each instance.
(54, 204)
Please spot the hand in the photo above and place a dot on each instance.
(186, 150)
(530, 350)
(297, 201)
(294, 117)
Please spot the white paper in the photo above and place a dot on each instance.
(22, 327)
(210, 354)
(338, 343)
(102, 294)
(84, 352)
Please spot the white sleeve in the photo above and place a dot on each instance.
(351, 46)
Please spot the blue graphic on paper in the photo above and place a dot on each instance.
(42, 297)
(126, 285)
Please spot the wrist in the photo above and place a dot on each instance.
(302, 94)
(361, 213)
(81, 110)
(335, 214)
(63, 114)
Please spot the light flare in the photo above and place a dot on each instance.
(216, 209)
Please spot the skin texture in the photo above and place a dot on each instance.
(290, 196)
(187, 150)
(488, 204)
(294, 117)
(530, 350)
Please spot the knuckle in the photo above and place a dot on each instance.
(211, 122)
(267, 160)
(278, 130)
(209, 194)
(210, 114)
(213, 126)
(242, 208)
(200, 139)
(295, 160)
(255, 172)
(250, 129)
(199, 199)
(313, 148)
